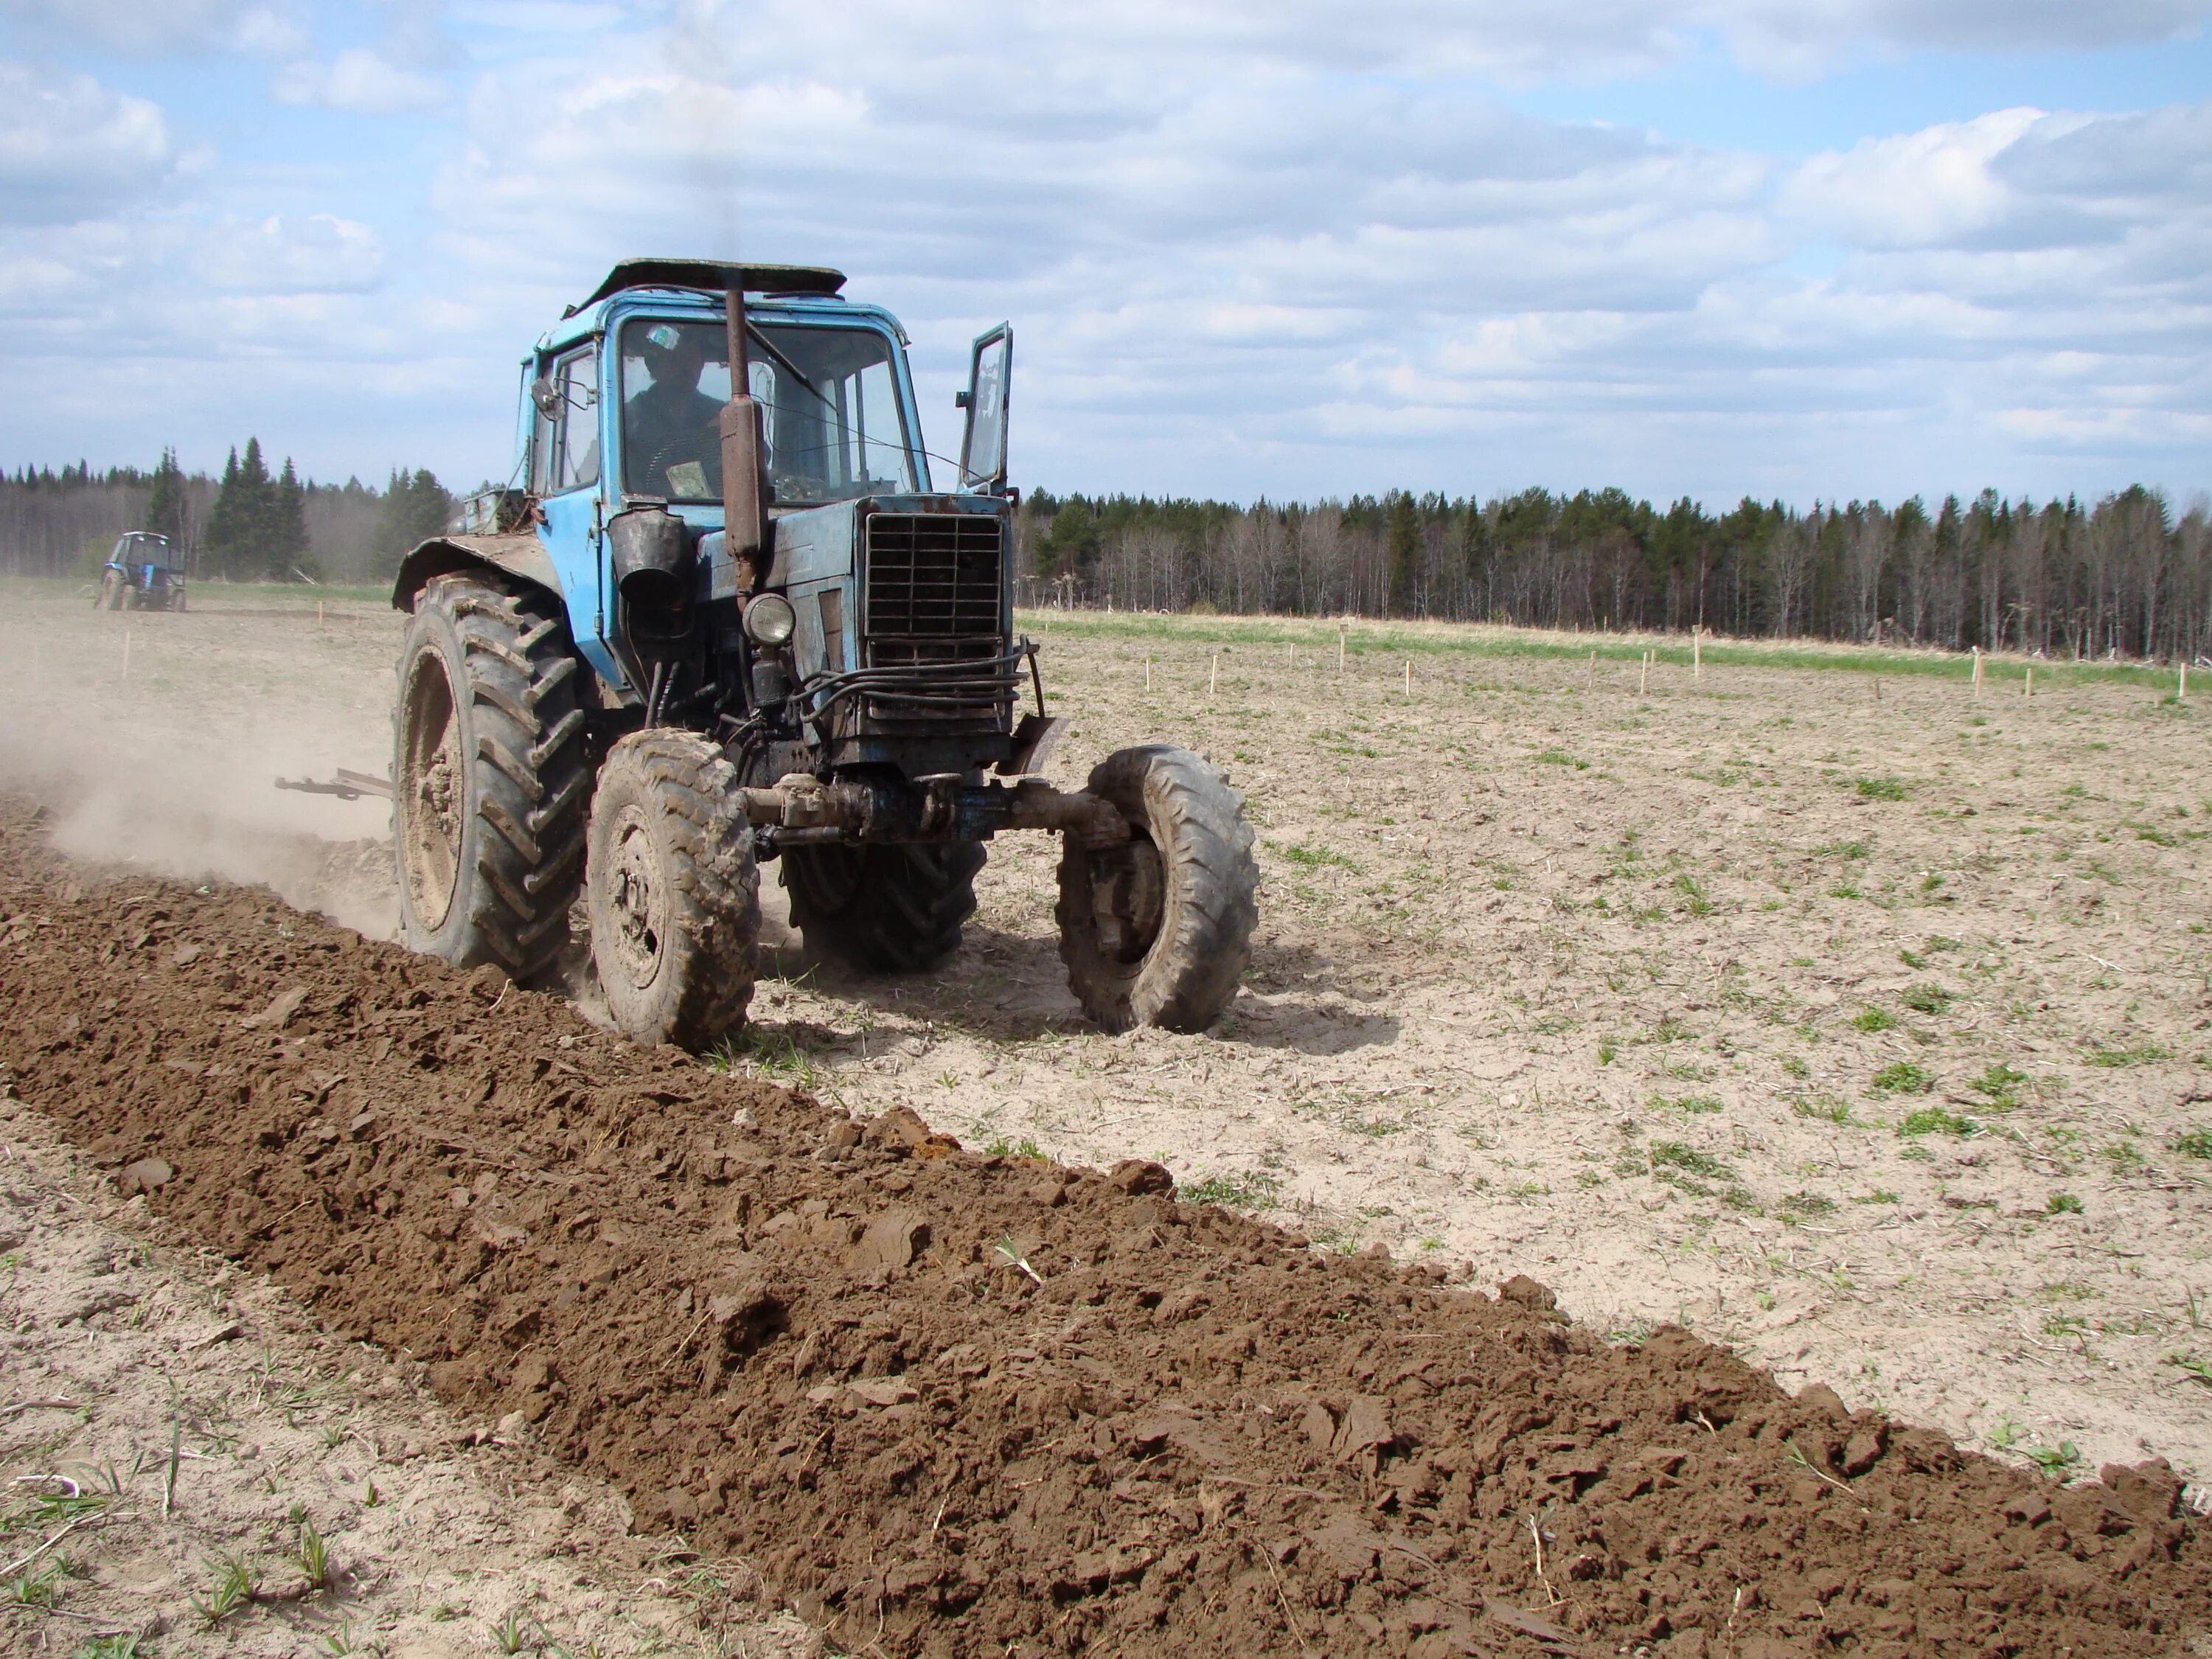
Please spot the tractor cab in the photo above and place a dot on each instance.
(621, 452)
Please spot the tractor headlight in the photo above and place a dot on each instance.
(769, 619)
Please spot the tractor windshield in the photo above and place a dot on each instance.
(835, 426)
(140, 547)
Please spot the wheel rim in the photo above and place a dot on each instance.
(636, 901)
(1128, 898)
(432, 793)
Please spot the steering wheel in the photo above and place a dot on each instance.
(703, 445)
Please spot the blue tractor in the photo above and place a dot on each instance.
(141, 573)
(726, 618)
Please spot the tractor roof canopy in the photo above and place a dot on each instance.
(712, 276)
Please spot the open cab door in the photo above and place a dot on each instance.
(983, 446)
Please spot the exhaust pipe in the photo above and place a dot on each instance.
(744, 458)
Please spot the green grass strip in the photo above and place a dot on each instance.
(1492, 641)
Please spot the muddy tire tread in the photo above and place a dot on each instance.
(1191, 975)
(529, 781)
(715, 904)
(907, 911)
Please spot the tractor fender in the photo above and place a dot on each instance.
(519, 554)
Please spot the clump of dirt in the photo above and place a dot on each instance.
(946, 1403)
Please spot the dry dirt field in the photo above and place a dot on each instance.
(1850, 1020)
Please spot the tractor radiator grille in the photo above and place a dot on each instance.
(935, 589)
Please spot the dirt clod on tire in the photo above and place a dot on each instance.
(672, 890)
(490, 786)
(895, 909)
(1158, 931)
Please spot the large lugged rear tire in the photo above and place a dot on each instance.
(490, 785)
(894, 910)
(1158, 932)
(673, 891)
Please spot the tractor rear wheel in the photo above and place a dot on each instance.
(1157, 930)
(894, 910)
(490, 785)
(110, 597)
(673, 892)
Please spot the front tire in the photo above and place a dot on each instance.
(490, 782)
(673, 891)
(896, 909)
(1158, 931)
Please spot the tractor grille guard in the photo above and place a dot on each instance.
(935, 589)
(923, 690)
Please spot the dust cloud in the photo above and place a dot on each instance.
(153, 742)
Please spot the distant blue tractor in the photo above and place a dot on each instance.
(142, 573)
(724, 617)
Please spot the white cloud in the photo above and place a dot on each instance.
(318, 254)
(1799, 39)
(1931, 187)
(541, 16)
(72, 148)
(362, 80)
(1170, 42)
(156, 28)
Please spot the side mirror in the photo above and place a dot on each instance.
(983, 448)
(546, 395)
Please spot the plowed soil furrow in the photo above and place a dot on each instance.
(947, 1403)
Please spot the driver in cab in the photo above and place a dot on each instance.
(673, 427)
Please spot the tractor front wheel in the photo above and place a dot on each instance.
(490, 783)
(1157, 930)
(673, 891)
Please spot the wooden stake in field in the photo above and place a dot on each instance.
(1590, 685)
(1643, 678)
(1977, 673)
(1213, 680)
(1697, 653)
(1148, 673)
(1409, 679)
(1877, 688)
(319, 613)
(2028, 686)
(1341, 631)
(2181, 691)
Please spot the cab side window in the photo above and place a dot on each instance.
(565, 442)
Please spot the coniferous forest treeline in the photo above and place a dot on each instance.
(2124, 576)
(247, 525)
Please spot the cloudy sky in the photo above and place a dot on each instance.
(1788, 248)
